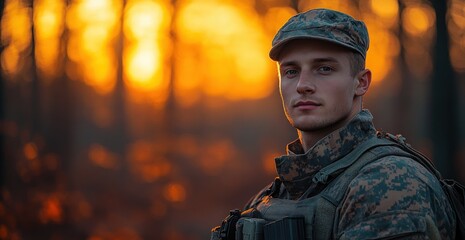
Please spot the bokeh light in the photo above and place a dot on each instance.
(92, 42)
(147, 161)
(15, 35)
(221, 51)
(51, 210)
(147, 50)
(102, 157)
(456, 26)
(387, 9)
(175, 192)
(417, 19)
(49, 27)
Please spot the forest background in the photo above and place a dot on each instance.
(151, 119)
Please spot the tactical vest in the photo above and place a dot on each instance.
(320, 211)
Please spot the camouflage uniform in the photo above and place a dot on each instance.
(388, 198)
(323, 24)
(393, 197)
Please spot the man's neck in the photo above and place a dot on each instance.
(309, 138)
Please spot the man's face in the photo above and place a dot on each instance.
(317, 88)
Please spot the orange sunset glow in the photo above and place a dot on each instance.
(147, 49)
(92, 42)
(152, 41)
(49, 26)
(232, 43)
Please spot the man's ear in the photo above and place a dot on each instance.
(363, 80)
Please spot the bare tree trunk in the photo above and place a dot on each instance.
(120, 134)
(295, 5)
(2, 113)
(443, 98)
(402, 101)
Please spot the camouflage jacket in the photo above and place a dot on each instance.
(379, 201)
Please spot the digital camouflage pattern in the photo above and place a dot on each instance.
(294, 169)
(392, 196)
(324, 24)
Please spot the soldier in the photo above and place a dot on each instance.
(340, 179)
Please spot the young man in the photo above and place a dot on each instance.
(333, 184)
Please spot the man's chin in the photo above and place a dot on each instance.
(308, 126)
(318, 125)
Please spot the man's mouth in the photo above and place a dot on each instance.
(306, 105)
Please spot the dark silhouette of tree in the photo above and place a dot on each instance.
(443, 97)
(2, 102)
(403, 103)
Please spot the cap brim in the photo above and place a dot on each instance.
(276, 50)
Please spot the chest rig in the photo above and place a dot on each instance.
(319, 212)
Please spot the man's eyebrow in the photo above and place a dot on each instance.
(287, 63)
(325, 59)
(315, 60)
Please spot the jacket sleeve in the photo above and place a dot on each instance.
(395, 198)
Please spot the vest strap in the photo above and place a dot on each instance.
(326, 217)
(323, 175)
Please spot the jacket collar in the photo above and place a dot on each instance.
(296, 169)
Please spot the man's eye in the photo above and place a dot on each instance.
(325, 69)
(290, 72)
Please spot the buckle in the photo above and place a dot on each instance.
(228, 226)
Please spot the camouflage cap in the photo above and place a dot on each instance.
(324, 24)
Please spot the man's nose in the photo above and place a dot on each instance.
(305, 84)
